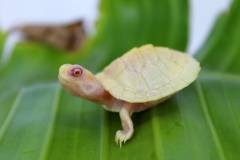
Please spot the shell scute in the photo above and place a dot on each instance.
(149, 74)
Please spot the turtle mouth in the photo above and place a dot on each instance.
(63, 80)
(63, 73)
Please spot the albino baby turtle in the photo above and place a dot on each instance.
(140, 79)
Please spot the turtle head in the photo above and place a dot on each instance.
(79, 81)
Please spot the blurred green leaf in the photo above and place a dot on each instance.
(2, 40)
(221, 50)
(41, 121)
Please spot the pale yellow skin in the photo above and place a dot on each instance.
(140, 79)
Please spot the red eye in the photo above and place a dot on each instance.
(76, 72)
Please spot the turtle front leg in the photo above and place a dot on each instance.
(127, 124)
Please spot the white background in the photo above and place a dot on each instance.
(14, 12)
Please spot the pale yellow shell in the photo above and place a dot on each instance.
(149, 74)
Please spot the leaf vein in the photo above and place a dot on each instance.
(55, 107)
(209, 120)
(156, 136)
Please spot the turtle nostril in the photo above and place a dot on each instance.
(76, 72)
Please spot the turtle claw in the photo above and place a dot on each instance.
(121, 137)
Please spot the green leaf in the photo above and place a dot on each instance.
(39, 120)
(221, 50)
(2, 39)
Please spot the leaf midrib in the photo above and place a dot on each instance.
(208, 118)
(49, 134)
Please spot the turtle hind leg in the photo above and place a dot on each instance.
(126, 133)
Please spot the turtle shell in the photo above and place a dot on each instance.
(148, 74)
